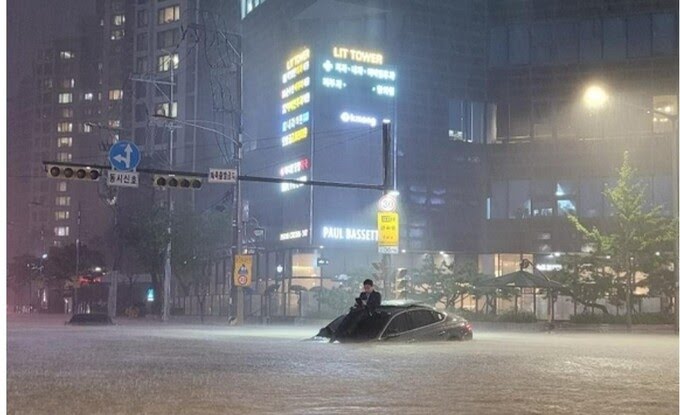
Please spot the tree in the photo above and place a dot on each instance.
(24, 271)
(145, 235)
(445, 283)
(196, 237)
(586, 280)
(60, 264)
(636, 233)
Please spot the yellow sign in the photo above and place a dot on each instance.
(388, 232)
(297, 59)
(358, 55)
(295, 136)
(243, 270)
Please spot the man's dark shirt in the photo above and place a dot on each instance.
(373, 300)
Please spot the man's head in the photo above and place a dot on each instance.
(368, 286)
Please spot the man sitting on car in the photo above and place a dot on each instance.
(365, 306)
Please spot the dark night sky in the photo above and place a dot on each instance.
(32, 23)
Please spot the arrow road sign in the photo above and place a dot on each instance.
(124, 156)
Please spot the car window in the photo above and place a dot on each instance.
(420, 318)
(370, 327)
(398, 325)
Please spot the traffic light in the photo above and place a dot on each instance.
(73, 171)
(401, 283)
(174, 181)
(380, 271)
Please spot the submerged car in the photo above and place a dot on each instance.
(403, 321)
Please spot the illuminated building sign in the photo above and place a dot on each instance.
(333, 83)
(295, 136)
(301, 57)
(295, 167)
(286, 236)
(296, 87)
(296, 103)
(295, 126)
(296, 121)
(360, 70)
(384, 90)
(358, 55)
(358, 119)
(295, 72)
(349, 234)
(285, 187)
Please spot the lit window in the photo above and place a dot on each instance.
(64, 157)
(67, 54)
(68, 83)
(63, 201)
(67, 113)
(247, 6)
(163, 109)
(65, 127)
(664, 104)
(61, 215)
(168, 14)
(61, 187)
(89, 96)
(114, 123)
(87, 128)
(64, 142)
(61, 231)
(117, 34)
(115, 94)
(118, 19)
(65, 98)
(165, 61)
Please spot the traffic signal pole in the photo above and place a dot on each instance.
(388, 185)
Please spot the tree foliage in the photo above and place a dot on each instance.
(636, 234)
(196, 238)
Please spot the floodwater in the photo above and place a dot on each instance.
(157, 369)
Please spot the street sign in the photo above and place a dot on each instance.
(122, 178)
(124, 156)
(243, 270)
(322, 261)
(222, 176)
(388, 232)
(258, 232)
(387, 203)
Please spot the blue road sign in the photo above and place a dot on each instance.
(124, 155)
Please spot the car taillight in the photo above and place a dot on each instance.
(468, 326)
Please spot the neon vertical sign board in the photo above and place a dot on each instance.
(296, 97)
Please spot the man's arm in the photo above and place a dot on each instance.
(374, 301)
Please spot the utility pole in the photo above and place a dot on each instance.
(167, 269)
(168, 251)
(238, 152)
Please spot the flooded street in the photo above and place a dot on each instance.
(143, 368)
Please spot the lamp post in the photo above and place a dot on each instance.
(596, 97)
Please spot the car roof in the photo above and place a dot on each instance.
(394, 306)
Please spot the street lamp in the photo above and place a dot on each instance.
(595, 97)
